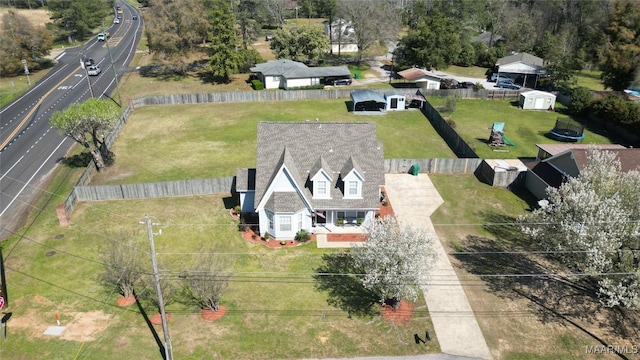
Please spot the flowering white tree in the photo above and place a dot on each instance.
(591, 222)
(393, 260)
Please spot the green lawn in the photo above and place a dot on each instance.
(520, 318)
(274, 308)
(161, 143)
(591, 80)
(474, 120)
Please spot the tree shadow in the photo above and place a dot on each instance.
(81, 160)
(345, 290)
(513, 269)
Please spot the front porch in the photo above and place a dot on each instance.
(350, 228)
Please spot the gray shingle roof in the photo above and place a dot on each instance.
(335, 142)
(245, 179)
(522, 57)
(284, 202)
(295, 70)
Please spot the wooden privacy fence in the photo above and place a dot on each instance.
(450, 136)
(293, 95)
(432, 166)
(154, 190)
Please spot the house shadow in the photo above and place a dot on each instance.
(337, 277)
(349, 105)
(514, 269)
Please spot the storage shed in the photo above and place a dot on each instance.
(368, 100)
(537, 100)
(395, 102)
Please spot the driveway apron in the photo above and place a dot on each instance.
(414, 199)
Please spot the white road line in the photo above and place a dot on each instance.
(11, 168)
(35, 87)
(32, 176)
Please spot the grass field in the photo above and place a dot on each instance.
(521, 318)
(591, 80)
(161, 143)
(274, 308)
(474, 120)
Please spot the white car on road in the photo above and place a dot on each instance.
(94, 70)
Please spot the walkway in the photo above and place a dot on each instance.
(414, 200)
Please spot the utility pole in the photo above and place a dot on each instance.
(3, 282)
(86, 72)
(168, 351)
(115, 73)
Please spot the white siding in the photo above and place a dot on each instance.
(283, 183)
(345, 48)
(292, 83)
(271, 82)
(400, 102)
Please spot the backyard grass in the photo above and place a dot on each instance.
(474, 120)
(591, 80)
(274, 308)
(520, 318)
(161, 143)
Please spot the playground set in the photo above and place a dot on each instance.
(497, 137)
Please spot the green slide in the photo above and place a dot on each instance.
(507, 141)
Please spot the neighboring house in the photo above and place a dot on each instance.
(424, 78)
(313, 174)
(342, 36)
(537, 100)
(553, 170)
(521, 65)
(285, 74)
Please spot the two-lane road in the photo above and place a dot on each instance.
(29, 147)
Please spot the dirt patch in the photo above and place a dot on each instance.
(79, 326)
(401, 315)
(156, 319)
(126, 301)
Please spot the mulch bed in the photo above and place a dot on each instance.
(126, 301)
(401, 315)
(254, 238)
(156, 319)
(209, 315)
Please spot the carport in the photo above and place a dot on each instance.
(368, 100)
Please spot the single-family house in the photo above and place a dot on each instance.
(313, 175)
(424, 78)
(556, 165)
(286, 74)
(342, 36)
(537, 100)
(521, 65)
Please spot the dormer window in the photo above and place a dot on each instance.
(353, 188)
(321, 182)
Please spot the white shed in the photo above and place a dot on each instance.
(537, 100)
(395, 102)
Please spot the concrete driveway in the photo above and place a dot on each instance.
(414, 199)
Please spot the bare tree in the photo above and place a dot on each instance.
(121, 256)
(276, 10)
(209, 279)
(373, 21)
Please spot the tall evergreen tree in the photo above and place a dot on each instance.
(621, 54)
(223, 51)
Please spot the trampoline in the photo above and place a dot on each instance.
(567, 130)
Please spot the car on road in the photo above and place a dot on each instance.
(341, 81)
(116, 21)
(103, 36)
(134, 17)
(94, 70)
(88, 61)
(507, 84)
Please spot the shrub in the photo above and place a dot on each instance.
(478, 86)
(266, 236)
(237, 209)
(283, 242)
(450, 104)
(303, 236)
(580, 100)
(257, 84)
